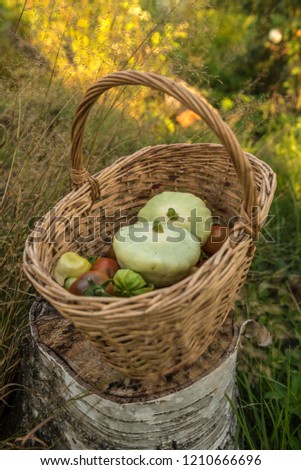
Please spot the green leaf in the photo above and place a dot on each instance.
(97, 290)
(92, 259)
(263, 290)
(278, 392)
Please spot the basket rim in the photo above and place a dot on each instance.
(152, 294)
(120, 160)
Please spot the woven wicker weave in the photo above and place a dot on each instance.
(158, 332)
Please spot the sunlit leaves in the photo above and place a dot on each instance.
(92, 38)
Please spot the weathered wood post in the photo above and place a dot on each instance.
(92, 406)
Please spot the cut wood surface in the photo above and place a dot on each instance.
(94, 406)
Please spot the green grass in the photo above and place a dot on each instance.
(36, 110)
(269, 412)
(269, 380)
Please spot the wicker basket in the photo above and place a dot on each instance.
(161, 331)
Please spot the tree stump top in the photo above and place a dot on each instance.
(73, 350)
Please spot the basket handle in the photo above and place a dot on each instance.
(197, 104)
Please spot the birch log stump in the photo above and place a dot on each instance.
(76, 401)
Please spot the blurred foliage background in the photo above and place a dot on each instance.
(245, 58)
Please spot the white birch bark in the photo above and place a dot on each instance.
(198, 416)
